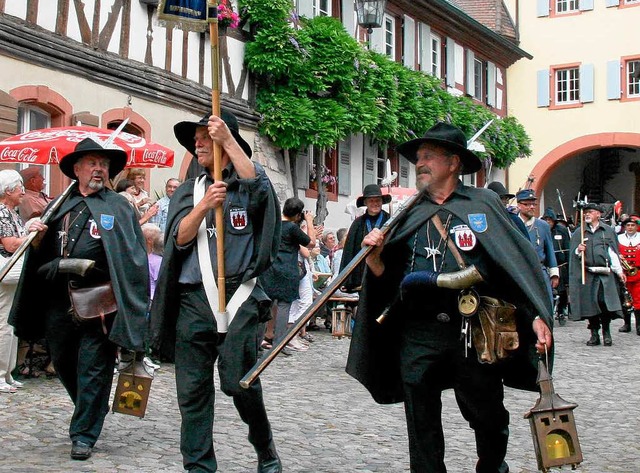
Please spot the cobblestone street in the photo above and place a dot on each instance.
(324, 421)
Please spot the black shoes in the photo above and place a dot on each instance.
(606, 338)
(595, 339)
(80, 450)
(625, 328)
(269, 461)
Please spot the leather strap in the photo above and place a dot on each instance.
(452, 246)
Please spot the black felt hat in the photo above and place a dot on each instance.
(185, 132)
(500, 189)
(593, 206)
(372, 190)
(449, 137)
(117, 158)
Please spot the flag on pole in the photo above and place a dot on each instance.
(188, 15)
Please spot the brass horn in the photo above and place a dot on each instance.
(631, 270)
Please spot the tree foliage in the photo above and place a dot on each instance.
(318, 85)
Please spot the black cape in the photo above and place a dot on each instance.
(126, 253)
(352, 246)
(165, 305)
(374, 352)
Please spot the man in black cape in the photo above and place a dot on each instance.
(93, 223)
(185, 323)
(417, 350)
(373, 217)
(597, 300)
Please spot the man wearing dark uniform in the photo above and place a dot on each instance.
(561, 243)
(422, 347)
(185, 317)
(94, 223)
(628, 244)
(374, 217)
(597, 300)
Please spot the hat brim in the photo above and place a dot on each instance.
(386, 198)
(185, 132)
(117, 161)
(470, 161)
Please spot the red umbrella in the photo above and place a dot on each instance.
(49, 145)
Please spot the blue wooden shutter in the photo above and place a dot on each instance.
(344, 167)
(369, 172)
(425, 48)
(451, 62)
(348, 16)
(471, 78)
(409, 43)
(612, 3)
(586, 5)
(613, 79)
(302, 169)
(491, 84)
(403, 173)
(586, 83)
(305, 8)
(543, 8)
(543, 88)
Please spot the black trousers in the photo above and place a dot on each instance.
(198, 345)
(84, 358)
(432, 360)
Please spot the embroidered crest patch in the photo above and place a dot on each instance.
(478, 222)
(464, 237)
(106, 221)
(93, 229)
(239, 218)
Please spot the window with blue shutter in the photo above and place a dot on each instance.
(471, 83)
(543, 88)
(586, 83)
(543, 8)
(491, 84)
(613, 79)
(451, 62)
(408, 43)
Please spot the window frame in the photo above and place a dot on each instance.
(624, 72)
(317, 10)
(331, 157)
(389, 47)
(25, 112)
(479, 80)
(435, 55)
(554, 104)
(568, 11)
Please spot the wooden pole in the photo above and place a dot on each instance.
(212, 19)
(584, 268)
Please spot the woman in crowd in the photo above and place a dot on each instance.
(127, 189)
(12, 234)
(140, 196)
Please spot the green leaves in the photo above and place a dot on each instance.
(317, 85)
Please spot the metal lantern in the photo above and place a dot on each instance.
(370, 13)
(132, 391)
(341, 316)
(553, 427)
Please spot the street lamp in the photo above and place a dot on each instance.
(370, 13)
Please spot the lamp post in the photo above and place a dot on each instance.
(370, 13)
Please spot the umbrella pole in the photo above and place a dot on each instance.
(212, 18)
(32, 235)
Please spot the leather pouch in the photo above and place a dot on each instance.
(494, 331)
(92, 303)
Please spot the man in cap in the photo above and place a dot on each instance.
(160, 218)
(561, 243)
(628, 244)
(93, 223)
(505, 197)
(540, 235)
(374, 217)
(419, 350)
(597, 299)
(186, 322)
(35, 200)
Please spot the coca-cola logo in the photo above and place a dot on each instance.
(158, 156)
(24, 155)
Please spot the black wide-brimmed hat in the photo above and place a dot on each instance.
(185, 132)
(372, 190)
(593, 206)
(449, 137)
(117, 158)
(500, 189)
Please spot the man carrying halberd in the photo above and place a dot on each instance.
(460, 265)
